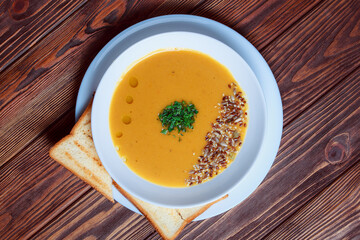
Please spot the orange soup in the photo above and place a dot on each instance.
(144, 91)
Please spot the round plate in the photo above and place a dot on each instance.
(229, 37)
(187, 196)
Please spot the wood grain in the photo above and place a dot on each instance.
(95, 217)
(34, 188)
(315, 54)
(259, 21)
(23, 23)
(333, 214)
(45, 80)
(301, 169)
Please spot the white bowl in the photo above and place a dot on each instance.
(188, 196)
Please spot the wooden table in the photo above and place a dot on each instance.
(313, 48)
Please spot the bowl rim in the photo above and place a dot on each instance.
(99, 144)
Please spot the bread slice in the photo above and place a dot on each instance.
(167, 221)
(77, 153)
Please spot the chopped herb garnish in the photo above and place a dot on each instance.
(178, 115)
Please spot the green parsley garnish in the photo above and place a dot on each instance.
(179, 115)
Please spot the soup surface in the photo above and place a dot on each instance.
(144, 91)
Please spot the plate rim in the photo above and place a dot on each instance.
(214, 27)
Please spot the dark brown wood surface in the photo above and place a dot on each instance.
(313, 49)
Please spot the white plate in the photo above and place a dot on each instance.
(227, 36)
(189, 196)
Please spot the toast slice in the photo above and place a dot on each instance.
(77, 153)
(167, 221)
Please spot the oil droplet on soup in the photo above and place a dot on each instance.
(133, 82)
(166, 76)
(129, 99)
(126, 119)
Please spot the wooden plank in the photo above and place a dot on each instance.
(97, 218)
(23, 23)
(333, 214)
(34, 188)
(43, 83)
(315, 54)
(316, 148)
(259, 21)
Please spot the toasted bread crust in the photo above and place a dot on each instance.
(85, 179)
(203, 209)
(85, 174)
(158, 228)
(73, 130)
(145, 213)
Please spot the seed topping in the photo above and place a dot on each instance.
(223, 141)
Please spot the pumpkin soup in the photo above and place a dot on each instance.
(204, 101)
